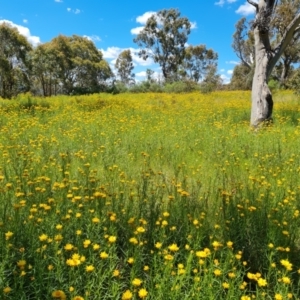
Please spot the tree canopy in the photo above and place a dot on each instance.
(124, 66)
(163, 39)
(14, 62)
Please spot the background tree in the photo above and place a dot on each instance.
(163, 39)
(243, 46)
(283, 16)
(198, 62)
(212, 80)
(243, 43)
(124, 66)
(45, 71)
(70, 65)
(267, 55)
(241, 78)
(14, 62)
(149, 75)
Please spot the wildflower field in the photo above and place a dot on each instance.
(149, 196)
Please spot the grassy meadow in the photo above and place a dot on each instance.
(149, 196)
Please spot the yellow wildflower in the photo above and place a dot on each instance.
(59, 294)
(8, 235)
(143, 293)
(103, 255)
(43, 237)
(136, 282)
(7, 290)
(112, 239)
(173, 248)
(127, 295)
(90, 268)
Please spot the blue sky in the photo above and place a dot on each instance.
(112, 24)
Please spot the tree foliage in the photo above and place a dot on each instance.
(124, 66)
(70, 65)
(243, 43)
(14, 62)
(163, 39)
(241, 78)
(198, 62)
(276, 24)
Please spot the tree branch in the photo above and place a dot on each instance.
(254, 4)
(291, 30)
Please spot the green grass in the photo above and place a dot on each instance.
(176, 190)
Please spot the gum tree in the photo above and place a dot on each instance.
(124, 66)
(266, 56)
(163, 39)
(14, 62)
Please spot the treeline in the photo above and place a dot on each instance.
(73, 65)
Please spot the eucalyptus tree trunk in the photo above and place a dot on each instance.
(266, 58)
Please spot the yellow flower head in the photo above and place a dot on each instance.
(86, 243)
(262, 282)
(225, 285)
(103, 255)
(21, 263)
(136, 282)
(95, 220)
(127, 295)
(143, 293)
(173, 248)
(158, 245)
(68, 247)
(90, 268)
(130, 260)
(7, 290)
(43, 237)
(8, 235)
(59, 294)
(77, 298)
(286, 264)
(286, 280)
(112, 239)
(140, 229)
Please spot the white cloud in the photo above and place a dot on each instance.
(25, 21)
(143, 18)
(136, 30)
(193, 25)
(93, 38)
(222, 2)
(75, 11)
(232, 62)
(156, 75)
(34, 40)
(112, 53)
(245, 9)
(141, 74)
(229, 72)
(58, 1)
(225, 78)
